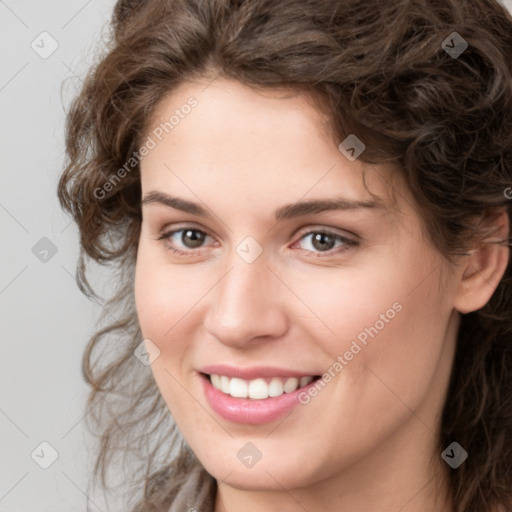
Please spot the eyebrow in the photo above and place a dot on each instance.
(288, 211)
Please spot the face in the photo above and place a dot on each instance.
(266, 261)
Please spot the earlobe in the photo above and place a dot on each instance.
(484, 267)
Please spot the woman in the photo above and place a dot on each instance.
(306, 207)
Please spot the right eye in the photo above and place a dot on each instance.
(190, 238)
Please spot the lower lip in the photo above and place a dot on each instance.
(251, 411)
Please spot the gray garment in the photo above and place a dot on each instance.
(197, 494)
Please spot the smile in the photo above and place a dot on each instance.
(253, 395)
(259, 388)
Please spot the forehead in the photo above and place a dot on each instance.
(228, 112)
(261, 140)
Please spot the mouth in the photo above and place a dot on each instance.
(256, 399)
(260, 388)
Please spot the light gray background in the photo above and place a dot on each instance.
(45, 321)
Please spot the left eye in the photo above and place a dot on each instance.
(324, 241)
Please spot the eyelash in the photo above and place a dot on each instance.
(348, 244)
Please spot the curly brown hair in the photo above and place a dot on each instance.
(384, 71)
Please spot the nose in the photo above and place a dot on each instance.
(246, 305)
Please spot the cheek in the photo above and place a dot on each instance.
(164, 296)
(165, 293)
(391, 320)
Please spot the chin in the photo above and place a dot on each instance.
(270, 475)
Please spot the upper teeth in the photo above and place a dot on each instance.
(257, 388)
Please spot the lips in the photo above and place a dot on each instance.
(253, 372)
(253, 395)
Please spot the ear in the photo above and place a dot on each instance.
(483, 269)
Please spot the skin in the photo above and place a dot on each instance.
(367, 441)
